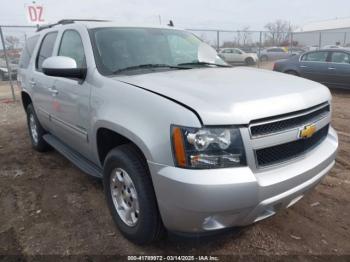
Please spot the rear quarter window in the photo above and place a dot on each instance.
(28, 51)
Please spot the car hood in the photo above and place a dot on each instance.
(226, 96)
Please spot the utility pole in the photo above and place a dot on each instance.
(217, 40)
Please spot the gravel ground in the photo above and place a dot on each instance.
(48, 206)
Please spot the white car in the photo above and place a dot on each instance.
(181, 140)
(236, 55)
(331, 47)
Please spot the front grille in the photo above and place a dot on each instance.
(284, 152)
(290, 123)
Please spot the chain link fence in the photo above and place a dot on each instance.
(236, 47)
(12, 41)
(270, 46)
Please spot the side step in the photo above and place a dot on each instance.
(77, 159)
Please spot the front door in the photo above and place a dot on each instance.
(314, 66)
(237, 56)
(71, 101)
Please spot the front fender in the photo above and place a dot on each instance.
(139, 115)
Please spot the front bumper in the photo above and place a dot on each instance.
(205, 200)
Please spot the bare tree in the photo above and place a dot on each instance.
(237, 39)
(278, 31)
(246, 35)
(12, 42)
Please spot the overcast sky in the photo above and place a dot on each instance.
(215, 14)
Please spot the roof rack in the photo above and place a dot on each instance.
(68, 21)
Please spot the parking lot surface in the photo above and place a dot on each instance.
(48, 206)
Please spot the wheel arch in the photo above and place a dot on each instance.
(109, 135)
(289, 70)
(26, 100)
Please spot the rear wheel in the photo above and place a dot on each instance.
(130, 195)
(36, 131)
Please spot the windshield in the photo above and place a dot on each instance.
(117, 49)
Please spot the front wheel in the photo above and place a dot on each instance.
(130, 195)
(249, 61)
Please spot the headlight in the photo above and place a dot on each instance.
(204, 148)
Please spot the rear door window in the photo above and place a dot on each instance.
(340, 58)
(236, 51)
(46, 49)
(28, 51)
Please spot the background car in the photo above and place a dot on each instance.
(273, 53)
(313, 48)
(332, 47)
(249, 49)
(296, 51)
(330, 67)
(236, 55)
(4, 72)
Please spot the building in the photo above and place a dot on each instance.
(322, 33)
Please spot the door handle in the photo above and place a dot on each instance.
(303, 66)
(32, 83)
(53, 90)
(331, 68)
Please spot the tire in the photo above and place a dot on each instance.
(292, 72)
(249, 61)
(36, 131)
(124, 163)
(264, 58)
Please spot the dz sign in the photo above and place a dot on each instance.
(35, 14)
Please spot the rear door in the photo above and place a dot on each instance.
(40, 83)
(314, 66)
(25, 67)
(70, 116)
(339, 69)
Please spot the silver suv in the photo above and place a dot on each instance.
(181, 140)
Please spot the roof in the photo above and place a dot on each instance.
(339, 23)
(114, 24)
(332, 50)
(102, 23)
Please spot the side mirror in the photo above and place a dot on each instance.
(63, 66)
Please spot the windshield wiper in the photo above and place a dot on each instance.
(203, 63)
(149, 66)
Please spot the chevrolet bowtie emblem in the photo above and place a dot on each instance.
(307, 131)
